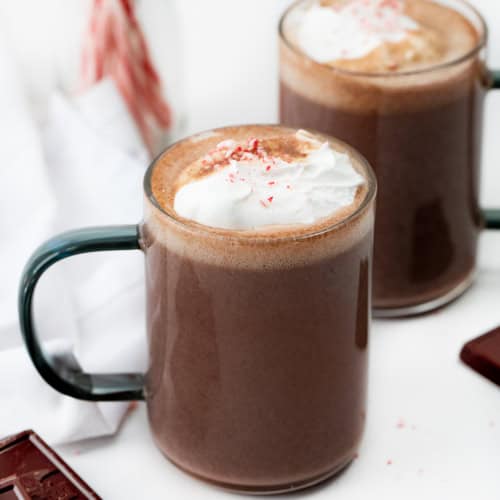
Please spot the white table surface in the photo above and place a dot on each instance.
(448, 442)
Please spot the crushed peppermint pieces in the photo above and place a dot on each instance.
(229, 152)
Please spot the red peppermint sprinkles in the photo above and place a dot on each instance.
(252, 151)
(229, 150)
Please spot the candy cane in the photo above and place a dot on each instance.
(115, 47)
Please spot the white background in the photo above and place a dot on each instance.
(450, 444)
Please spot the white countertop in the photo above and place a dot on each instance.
(433, 428)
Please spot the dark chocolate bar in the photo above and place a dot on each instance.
(30, 469)
(483, 355)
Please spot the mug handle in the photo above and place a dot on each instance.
(492, 216)
(60, 371)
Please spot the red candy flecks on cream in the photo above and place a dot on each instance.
(366, 35)
(252, 151)
(229, 150)
(276, 181)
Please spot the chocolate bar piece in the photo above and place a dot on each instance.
(30, 469)
(483, 355)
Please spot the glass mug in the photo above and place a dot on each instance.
(257, 344)
(421, 131)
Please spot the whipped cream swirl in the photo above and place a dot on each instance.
(256, 190)
(353, 29)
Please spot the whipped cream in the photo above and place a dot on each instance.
(256, 190)
(353, 29)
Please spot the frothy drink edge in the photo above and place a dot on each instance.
(276, 246)
(353, 91)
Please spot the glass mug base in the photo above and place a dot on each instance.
(428, 306)
(271, 489)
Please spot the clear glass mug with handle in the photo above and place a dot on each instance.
(421, 130)
(254, 337)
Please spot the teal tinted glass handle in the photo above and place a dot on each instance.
(495, 78)
(61, 371)
(492, 216)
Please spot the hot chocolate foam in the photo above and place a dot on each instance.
(245, 186)
(273, 245)
(352, 30)
(370, 35)
(415, 73)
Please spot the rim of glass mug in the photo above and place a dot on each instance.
(264, 238)
(461, 6)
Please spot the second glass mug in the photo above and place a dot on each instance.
(421, 131)
(258, 345)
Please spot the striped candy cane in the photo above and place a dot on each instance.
(115, 47)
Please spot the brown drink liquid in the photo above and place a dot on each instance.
(257, 339)
(418, 122)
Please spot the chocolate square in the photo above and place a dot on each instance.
(30, 469)
(483, 355)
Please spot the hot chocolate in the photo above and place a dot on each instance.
(258, 243)
(406, 89)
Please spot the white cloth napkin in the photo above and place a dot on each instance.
(83, 167)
